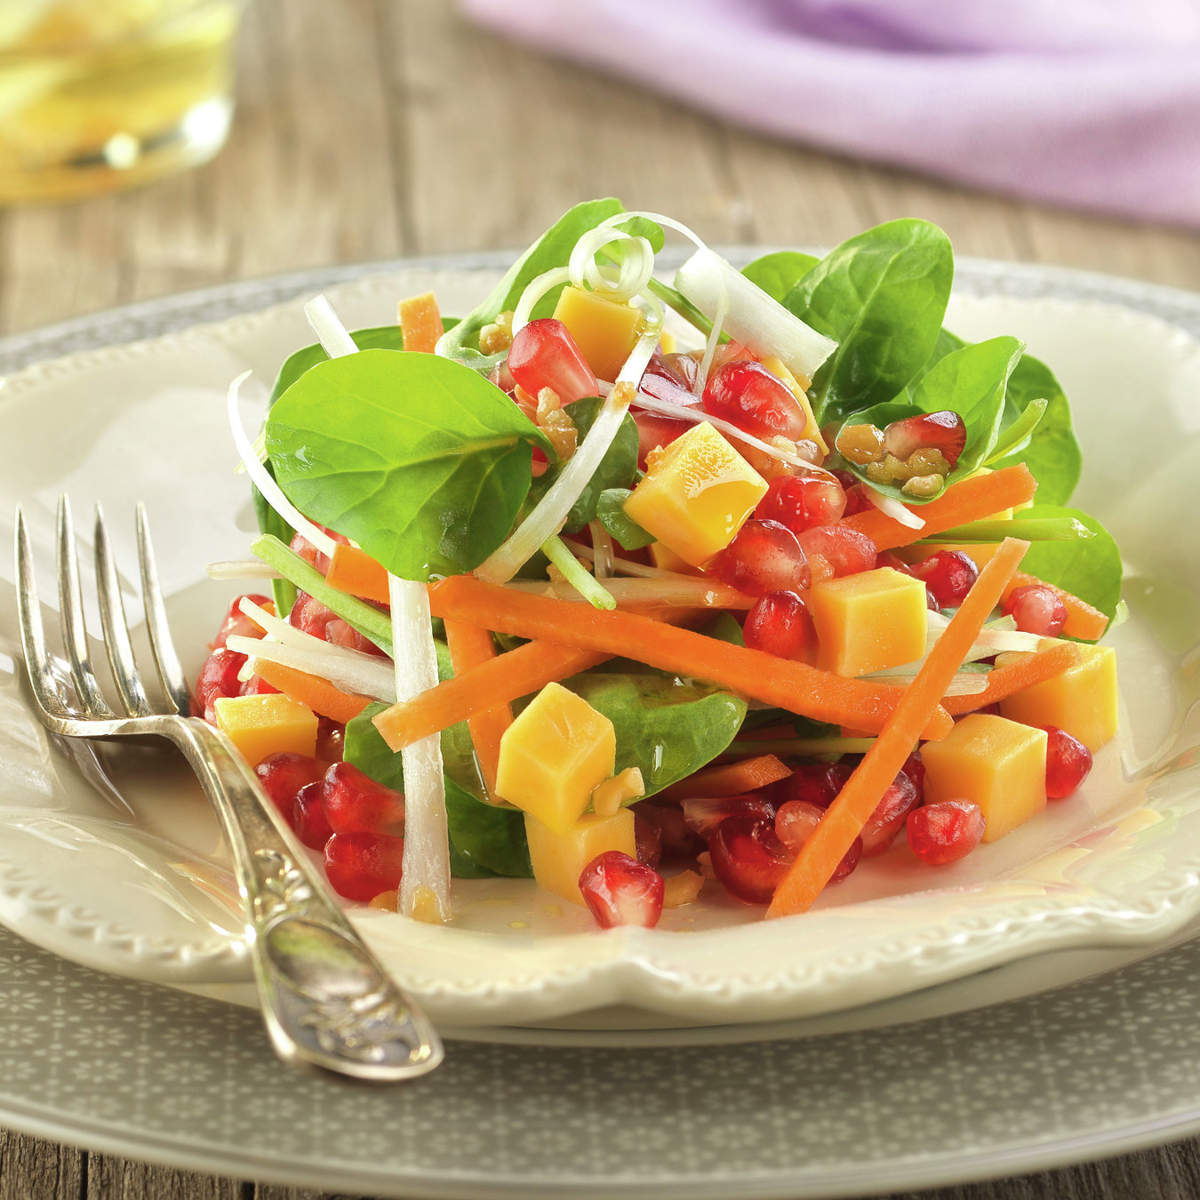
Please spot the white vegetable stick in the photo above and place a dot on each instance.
(676, 590)
(366, 679)
(753, 318)
(246, 568)
(891, 507)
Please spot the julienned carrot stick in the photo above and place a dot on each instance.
(420, 322)
(472, 646)
(1083, 621)
(970, 500)
(845, 817)
(505, 678)
(319, 694)
(730, 779)
(1020, 673)
(354, 571)
(795, 686)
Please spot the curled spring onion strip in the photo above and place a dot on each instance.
(262, 478)
(623, 279)
(891, 507)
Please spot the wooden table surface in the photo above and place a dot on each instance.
(375, 128)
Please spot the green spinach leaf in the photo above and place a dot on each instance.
(419, 459)
(610, 512)
(1089, 567)
(881, 296)
(778, 273)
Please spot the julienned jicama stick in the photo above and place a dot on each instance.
(472, 646)
(846, 816)
(1012, 677)
(969, 500)
(781, 683)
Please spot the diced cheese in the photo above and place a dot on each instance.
(553, 755)
(260, 726)
(696, 494)
(559, 856)
(993, 762)
(869, 621)
(1082, 700)
(604, 330)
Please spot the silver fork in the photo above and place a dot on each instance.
(326, 1000)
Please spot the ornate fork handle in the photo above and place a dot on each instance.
(326, 1000)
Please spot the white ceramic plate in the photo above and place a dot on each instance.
(143, 890)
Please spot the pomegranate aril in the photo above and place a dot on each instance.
(802, 501)
(836, 550)
(355, 803)
(1068, 762)
(361, 865)
(747, 395)
(671, 377)
(339, 633)
(815, 783)
(949, 576)
(236, 621)
(794, 825)
(648, 839)
(779, 624)
(331, 740)
(704, 815)
(884, 824)
(308, 817)
(1036, 609)
(302, 546)
(764, 557)
(619, 890)
(310, 616)
(914, 768)
(748, 858)
(943, 833)
(654, 432)
(944, 431)
(502, 377)
(218, 679)
(256, 685)
(544, 354)
(678, 841)
(283, 775)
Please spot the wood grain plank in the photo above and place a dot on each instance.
(34, 1169)
(110, 1178)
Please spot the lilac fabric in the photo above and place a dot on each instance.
(1091, 103)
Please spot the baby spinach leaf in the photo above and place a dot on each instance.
(665, 728)
(617, 468)
(1089, 567)
(610, 512)
(778, 273)
(881, 296)
(725, 628)
(420, 460)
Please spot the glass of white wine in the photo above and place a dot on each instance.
(101, 94)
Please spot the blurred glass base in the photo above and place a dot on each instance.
(103, 94)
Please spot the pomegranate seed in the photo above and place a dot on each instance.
(654, 432)
(649, 839)
(836, 550)
(622, 891)
(339, 633)
(748, 858)
(256, 685)
(914, 768)
(678, 841)
(764, 557)
(361, 865)
(750, 397)
(779, 624)
(283, 775)
(671, 377)
(236, 622)
(1036, 609)
(331, 740)
(310, 616)
(355, 803)
(302, 546)
(704, 815)
(218, 678)
(502, 377)
(948, 574)
(816, 783)
(856, 501)
(888, 558)
(802, 501)
(544, 354)
(794, 825)
(944, 833)
(884, 824)
(944, 431)
(308, 817)
(1068, 762)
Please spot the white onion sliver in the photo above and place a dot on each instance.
(331, 333)
(271, 491)
(891, 507)
(244, 568)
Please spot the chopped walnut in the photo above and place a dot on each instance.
(498, 335)
(861, 444)
(607, 797)
(924, 486)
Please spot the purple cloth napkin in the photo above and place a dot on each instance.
(1091, 103)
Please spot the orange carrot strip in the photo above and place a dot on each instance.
(1083, 621)
(731, 779)
(420, 322)
(1016, 675)
(506, 677)
(970, 500)
(780, 682)
(471, 646)
(355, 571)
(319, 694)
(844, 819)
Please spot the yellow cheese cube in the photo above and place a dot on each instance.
(260, 726)
(868, 622)
(604, 330)
(1082, 700)
(558, 857)
(990, 761)
(696, 494)
(553, 755)
(812, 430)
(665, 559)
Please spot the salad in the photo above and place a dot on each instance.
(642, 588)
